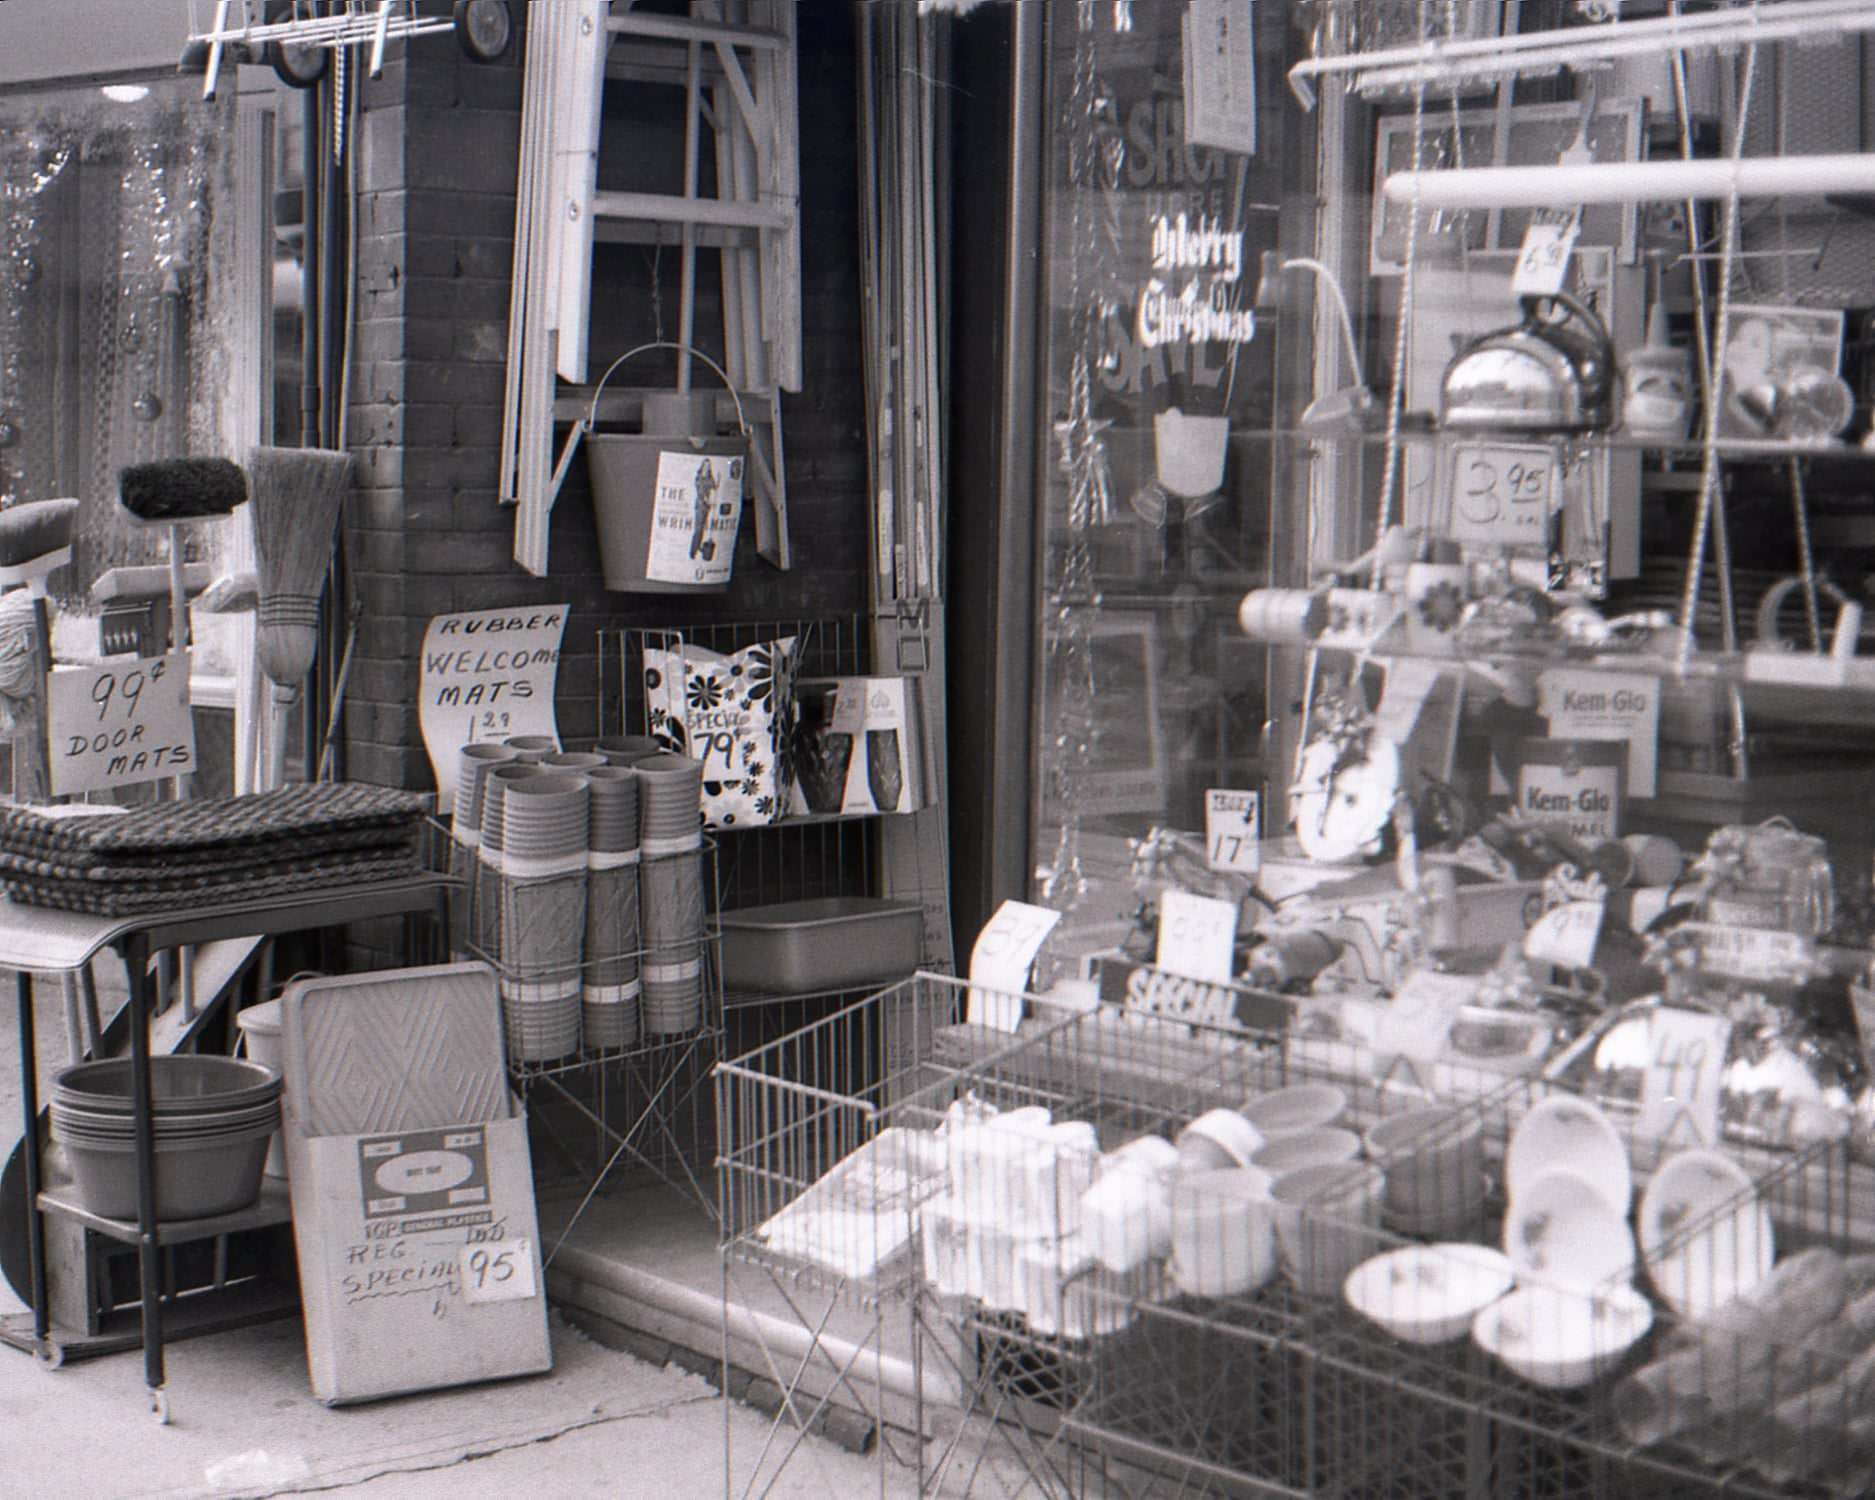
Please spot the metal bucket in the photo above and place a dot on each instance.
(668, 500)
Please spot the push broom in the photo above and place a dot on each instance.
(174, 493)
(298, 493)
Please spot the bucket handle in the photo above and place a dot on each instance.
(590, 420)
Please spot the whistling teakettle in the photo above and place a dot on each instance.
(1540, 376)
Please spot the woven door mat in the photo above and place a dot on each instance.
(226, 864)
(257, 883)
(224, 824)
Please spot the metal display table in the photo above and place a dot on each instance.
(39, 940)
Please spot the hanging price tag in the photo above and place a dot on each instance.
(1197, 935)
(1233, 830)
(1566, 935)
(1001, 959)
(1543, 262)
(501, 1271)
(1685, 1061)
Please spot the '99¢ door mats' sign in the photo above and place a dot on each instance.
(733, 713)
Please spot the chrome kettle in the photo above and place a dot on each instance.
(1544, 375)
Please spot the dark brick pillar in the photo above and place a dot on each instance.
(439, 149)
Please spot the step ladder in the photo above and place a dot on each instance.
(735, 61)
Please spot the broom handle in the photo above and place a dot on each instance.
(276, 742)
(179, 632)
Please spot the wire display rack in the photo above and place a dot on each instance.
(795, 858)
(609, 1114)
(902, 1158)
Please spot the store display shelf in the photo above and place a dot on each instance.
(274, 1206)
(1420, 428)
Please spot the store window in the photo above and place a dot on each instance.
(1165, 191)
(131, 331)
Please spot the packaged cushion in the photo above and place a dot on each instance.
(733, 713)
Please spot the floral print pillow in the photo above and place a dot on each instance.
(736, 715)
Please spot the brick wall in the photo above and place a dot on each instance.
(439, 146)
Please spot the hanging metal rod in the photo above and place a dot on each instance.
(1633, 182)
(1538, 52)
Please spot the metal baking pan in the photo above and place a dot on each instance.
(804, 947)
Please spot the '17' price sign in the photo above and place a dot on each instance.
(1502, 493)
(1233, 827)
(121, 723)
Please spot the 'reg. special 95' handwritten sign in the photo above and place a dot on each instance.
(120, 723)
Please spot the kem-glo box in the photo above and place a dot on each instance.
(418, 1240)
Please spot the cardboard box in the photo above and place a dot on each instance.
(413, 1194)
(419, 1259)
(859, 746)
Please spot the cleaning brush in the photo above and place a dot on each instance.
(181, 489)
(35, 538)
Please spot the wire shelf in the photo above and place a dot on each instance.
(866, 1151)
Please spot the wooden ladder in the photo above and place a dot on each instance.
(735, 61)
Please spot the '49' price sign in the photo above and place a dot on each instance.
(1502, 493)
(120, 723)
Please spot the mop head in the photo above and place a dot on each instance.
(35, 538)
(298, 493)
(181, 489)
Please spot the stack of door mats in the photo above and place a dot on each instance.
(252, 848)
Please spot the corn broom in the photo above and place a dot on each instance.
(297, 495)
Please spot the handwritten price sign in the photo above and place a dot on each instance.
(1685, 1060)
(120, 724)
(1233, 828)
(1197, 935)
(1543, 262)
(499, 1272)
(1566, 935)
(1000, 962)
(1502, 493)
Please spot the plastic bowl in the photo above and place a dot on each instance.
(182, 1083)
(194, 1181)
(1303, 1106)
(1429, 1294)
(1218, 1138)
(1321, 1146)
(1705, 1235)
(1561, 1232)
(1572, 1133)
(1561, 1339)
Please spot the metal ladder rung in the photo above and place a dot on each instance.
(674, 209)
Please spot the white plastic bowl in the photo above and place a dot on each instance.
(1705, 1235)
(1562, 1339)
(1572, 1133)
(1429, 1294)
(1218, 1138)
(1560, 1231)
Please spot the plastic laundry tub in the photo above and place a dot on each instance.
(193, 1180)
(806, 947)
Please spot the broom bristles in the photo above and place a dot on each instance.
(297, 496)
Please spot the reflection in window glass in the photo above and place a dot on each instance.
(114, 246)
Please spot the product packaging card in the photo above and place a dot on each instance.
(858, 750)
(1621, 706)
